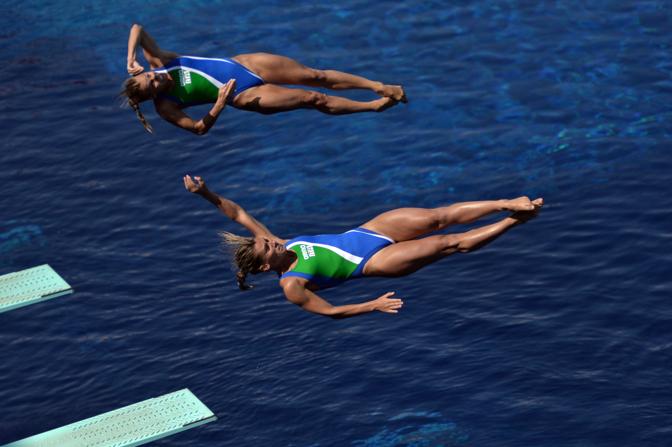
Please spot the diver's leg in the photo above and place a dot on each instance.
(269, 99)
(276, 69)
(407, 257)
(408, 223)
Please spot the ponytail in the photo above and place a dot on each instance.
(141, 117)
(240, 279)
(131, 93)
(244, 257)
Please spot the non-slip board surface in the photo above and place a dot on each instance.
(30, 286)
(129, 426)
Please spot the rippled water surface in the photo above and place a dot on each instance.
(558, 334)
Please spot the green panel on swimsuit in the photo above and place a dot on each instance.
(324, 263)
(190, 87)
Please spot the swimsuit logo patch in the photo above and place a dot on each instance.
(185, 77)
(307, 251)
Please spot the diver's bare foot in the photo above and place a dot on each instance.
(395, 92)
(524, 216)
(519, 204)
(384, 104)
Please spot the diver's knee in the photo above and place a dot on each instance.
(317, 76)
(435, 220)
(316, 99)
(451, 243)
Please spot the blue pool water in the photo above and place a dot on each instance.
(558, 334)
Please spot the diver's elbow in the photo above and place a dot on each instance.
(334, 314)
(200, 131)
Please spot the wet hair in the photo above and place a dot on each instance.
(244, 257)
(133, 95)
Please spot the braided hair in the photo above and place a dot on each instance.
(133, 95)
(244, 256)
(136, 107)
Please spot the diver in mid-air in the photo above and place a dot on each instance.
(247, 82)
(390, 244)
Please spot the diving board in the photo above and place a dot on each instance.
(30, 286)
(129, 426)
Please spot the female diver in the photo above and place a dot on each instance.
(387, 245)
(247, 81)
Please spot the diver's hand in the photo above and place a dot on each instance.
(386, 304)
(134, 68)
(195, 185)
(225, 91)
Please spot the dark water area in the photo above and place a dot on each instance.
(557, 334)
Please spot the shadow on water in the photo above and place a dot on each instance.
(15, 235)
(417, 429)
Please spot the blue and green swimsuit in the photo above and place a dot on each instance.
(330, 259)
(197, 79)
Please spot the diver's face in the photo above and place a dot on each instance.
(269, 251)
(151, 84)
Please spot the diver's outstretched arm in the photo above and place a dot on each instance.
(230, 208)
(309, 301)
(154, 55)
(174, 115)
